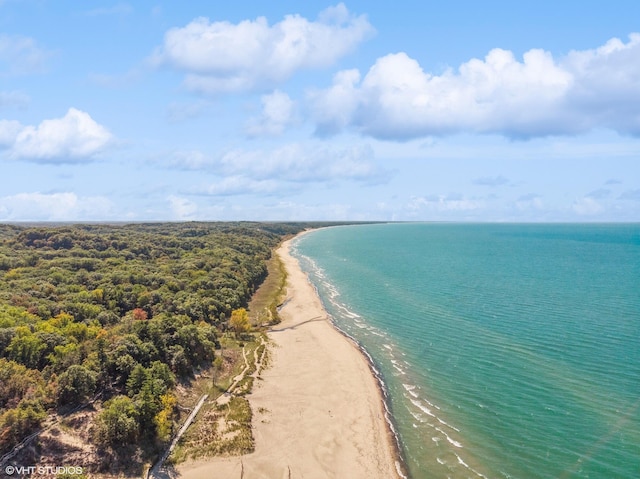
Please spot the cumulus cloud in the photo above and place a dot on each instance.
(54, 207)
(278, 112)
(20, 55)
(9, 131)
(538, 95)
(221, 57)
(293, 163)
(75, 137)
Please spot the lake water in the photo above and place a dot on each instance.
(507, 351)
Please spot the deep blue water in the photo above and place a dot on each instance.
(507, 350)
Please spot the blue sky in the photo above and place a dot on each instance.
(444, 111)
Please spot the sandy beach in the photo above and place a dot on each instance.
(318, 413)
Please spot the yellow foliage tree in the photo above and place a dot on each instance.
(239, 321)
(163, 421)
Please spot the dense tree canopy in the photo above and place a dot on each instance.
(119, 312)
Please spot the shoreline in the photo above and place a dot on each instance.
(320, 410)
(392, 433)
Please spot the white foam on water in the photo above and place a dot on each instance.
(452, 441)
(460, 461)
(447, 424)
(467, 466)
(410, 388)
(394, 363)
(431, 404)
(399, 470)
(417, 417)
(422, 407)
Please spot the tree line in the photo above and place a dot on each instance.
(119, 312)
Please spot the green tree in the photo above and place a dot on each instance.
(75, 385)
(137, 378)
(161, 372)
(26, 348)
(118, 422)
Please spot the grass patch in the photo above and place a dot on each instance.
(223, 430)
(263, 308)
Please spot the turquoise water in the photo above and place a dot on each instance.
(507, 351)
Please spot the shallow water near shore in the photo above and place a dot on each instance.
(508, 351)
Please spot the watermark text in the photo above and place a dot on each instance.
(19, 471)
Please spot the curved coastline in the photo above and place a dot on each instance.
(394, 437)
(320, 410)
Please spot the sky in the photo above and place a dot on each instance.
(489, 111)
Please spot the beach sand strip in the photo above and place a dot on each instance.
(318, 412)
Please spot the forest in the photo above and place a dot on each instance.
(118, 315)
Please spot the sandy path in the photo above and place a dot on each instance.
(318, 413)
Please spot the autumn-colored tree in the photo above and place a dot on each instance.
(239, 321)
(163, 422)
(139, 314)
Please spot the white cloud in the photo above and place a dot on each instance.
(335, 107)
(240, 185)
(20, 55)
(293, 163)
(9, 130)
(278, 112)
(73, 138)
(445, 203)
(528, 202)
(535, 96)
(182, 208)
(54, 207)
(587, 206)
(224, 57)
